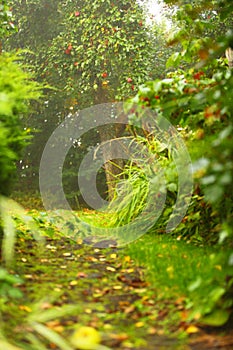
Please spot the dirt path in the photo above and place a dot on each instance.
(111, 295)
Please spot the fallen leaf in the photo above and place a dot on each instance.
(88, 311)
(118, 287)
(127, 258)
(46, 306)
(152, 330)
(129, 309)
(120, 337)
(81, 275)
(109, 268)
(85, 338)
(25, 308)
(67, 254)
(139, 324)
(79, 241)
(73, 283)
(192, 329)
(55, 325)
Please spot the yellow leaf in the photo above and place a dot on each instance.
(139, 324)
(109, 268)
(25, 308)
(73, 283)
(107, 326)
(192, 329)
(113, 256)
(88, 311)
(117, 287)
(67, 254)
(85, 338)
(129, 270)
(127, 258)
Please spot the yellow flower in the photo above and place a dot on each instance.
(85, 338)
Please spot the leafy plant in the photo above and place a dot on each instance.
(7, 26)
(9, 210)
(16, 90)
(8, 284)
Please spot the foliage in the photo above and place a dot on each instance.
(7, 26)
(10, 210)
(186, 270)
(16, 90)
(134, 185)
(8, 287)
(89, 57)
(109, 36)
(196, 97)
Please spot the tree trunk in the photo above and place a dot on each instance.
(113, 167)
(229, 56)
(109, 132)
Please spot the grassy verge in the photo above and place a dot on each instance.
(179, 269)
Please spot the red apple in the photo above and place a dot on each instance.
(75, 64)
(77, 13)
(129, 80)
(70, 47)
(104, 75)
(67, 51)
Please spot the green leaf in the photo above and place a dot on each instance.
(216, 319)
(194, 285)
(174, 60)
(7, 346)
(8, 230)
(48, 315)
(51, 336)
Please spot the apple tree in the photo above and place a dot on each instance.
(103, 54)
(90, 52)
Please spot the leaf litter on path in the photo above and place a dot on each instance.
(68, 284)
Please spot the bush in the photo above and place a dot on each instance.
(16, 90)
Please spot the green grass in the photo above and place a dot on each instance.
(170, 262)
(178, 269)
